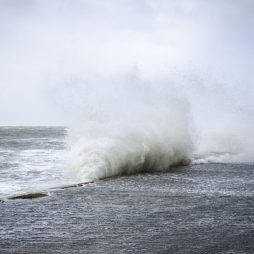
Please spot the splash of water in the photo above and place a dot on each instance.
(130, 131)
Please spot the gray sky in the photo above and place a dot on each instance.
(52, 50)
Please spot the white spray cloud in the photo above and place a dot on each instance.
(53, 52)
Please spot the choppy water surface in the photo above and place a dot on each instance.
(31, 159)
(34, 159)
(205, 208)
(200, 208)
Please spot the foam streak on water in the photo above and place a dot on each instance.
(31, 159)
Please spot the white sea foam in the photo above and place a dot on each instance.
(227, 142)
(133, 131)
(134, 126)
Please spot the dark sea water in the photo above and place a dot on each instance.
(200, 208)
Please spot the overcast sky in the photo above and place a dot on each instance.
(51, 49)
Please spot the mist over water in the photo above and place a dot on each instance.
(155, 95)
(133, 126)
(144, 85)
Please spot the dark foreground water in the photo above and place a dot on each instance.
(206, 208)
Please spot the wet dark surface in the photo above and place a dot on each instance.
(205, 208)
(29, 196)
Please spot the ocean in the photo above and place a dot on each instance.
(202, 207)
(31, 159)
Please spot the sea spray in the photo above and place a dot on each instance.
(134, 128)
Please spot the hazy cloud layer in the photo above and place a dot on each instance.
(50, 51)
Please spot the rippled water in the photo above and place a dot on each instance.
(205, 208)
(200, 208)
(32, 159)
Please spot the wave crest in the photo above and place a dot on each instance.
(151, 140)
